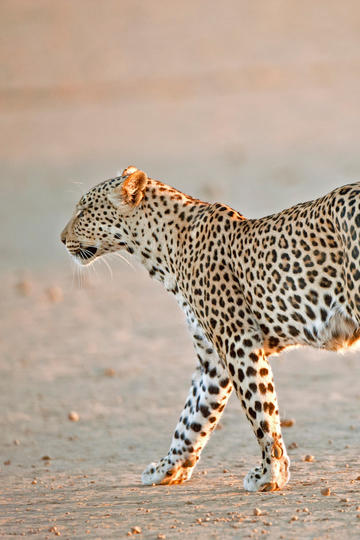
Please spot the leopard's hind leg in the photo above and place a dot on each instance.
(253, 382)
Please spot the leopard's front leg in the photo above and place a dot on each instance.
(208, 395)
(253, 382)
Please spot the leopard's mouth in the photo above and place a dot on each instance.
(86, 253)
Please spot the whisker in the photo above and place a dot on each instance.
(72, 191)
(107, 265)
(73, 273)
(113, 257)
(123, 259)
(93, 269)
(80, 269)
(80, 277)
(78, 185)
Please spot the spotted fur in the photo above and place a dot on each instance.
(249, 288)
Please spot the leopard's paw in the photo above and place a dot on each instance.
(268, 477)
(165, 473)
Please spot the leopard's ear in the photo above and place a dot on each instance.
(131, 191)
(133, 188)
(129, 170)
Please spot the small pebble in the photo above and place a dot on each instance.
(16, 442)
(326, 492)
(309, 458)
(109, 372)
(136, 530)
(34, 482)
(46, 458)
(73, 416)
(287, 422)
(161, 536)
(294, 518)
(7, 462)
(257, 512)
(55, 294)
(225, 471)
(293, 445)
(24, 287)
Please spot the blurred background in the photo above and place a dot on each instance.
(252, 103)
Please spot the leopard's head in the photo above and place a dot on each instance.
(104, 218)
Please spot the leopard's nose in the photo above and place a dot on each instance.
(63, 237)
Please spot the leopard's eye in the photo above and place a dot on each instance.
(80, 213)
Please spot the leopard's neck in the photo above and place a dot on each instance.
(163, 228)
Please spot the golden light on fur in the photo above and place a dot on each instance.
(133, 188)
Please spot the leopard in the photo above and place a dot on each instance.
(249, 288)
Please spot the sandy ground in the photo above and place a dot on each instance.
(252, 103)
(124, 366)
